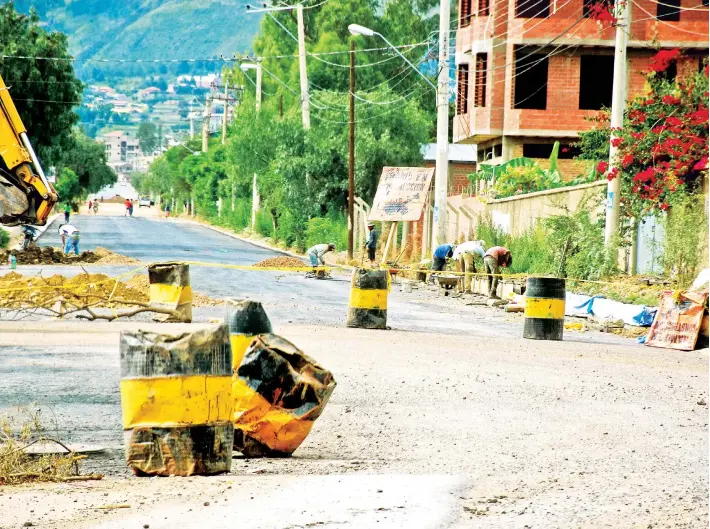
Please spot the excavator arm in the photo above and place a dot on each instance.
(26, 197)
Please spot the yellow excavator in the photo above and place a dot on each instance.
(26, 196)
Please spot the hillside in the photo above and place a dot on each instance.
(148, 29)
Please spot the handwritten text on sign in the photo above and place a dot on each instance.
(401, 193)
(678, 321)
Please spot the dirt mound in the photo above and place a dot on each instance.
(281, 262)
(48, 255)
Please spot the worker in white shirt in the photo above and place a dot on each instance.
(70, 238)
(465, 256)
(316, 253)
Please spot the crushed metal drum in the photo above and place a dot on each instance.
(368, 299)
(176, 402)
(278, 394)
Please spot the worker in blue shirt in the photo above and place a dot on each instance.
(442, 254)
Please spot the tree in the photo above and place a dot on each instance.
(87, 160)
(68, 186)
(34, 82)
(147, 136)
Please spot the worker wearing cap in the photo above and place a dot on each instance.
(70, 238)
(496, 257)
(316, 253)
(465, 256)
(371, 244)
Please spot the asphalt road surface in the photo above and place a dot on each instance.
(449, 420)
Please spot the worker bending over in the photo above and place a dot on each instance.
(441, 255)
(494, 259)
(465, 256)
(316, 253)
(70, 238)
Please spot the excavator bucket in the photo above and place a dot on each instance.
(26, 197)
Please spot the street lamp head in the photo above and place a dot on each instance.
(247, 66)
(357, 29)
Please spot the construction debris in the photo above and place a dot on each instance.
(48, 255)
(281, 262)
(140, 282)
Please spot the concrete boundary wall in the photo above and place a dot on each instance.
(516, 214)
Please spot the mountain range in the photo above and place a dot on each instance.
(149, 29)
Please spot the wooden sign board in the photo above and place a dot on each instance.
(677, 322)
(401, 194)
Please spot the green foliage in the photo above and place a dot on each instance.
(685, 241)
(87, 159)
(333, 229)
(32, 83)
(4, 238)
(68, 186)
(147, 136)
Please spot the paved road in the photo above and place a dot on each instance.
(288, 297)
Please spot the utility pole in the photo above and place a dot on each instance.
(224, 116)
(442, 129)
(281, 105)
(305, 105)
(618, 103)
(351, 148)
(258, 84)
(206, 124)
(192, 122)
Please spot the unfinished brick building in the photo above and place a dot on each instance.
(530, 71)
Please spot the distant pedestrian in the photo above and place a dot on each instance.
(89, 207)
(67, 213)
(167, 210)
(496, 257)
(96, 207)
(371, 244)
(70, 238)
(128, 205)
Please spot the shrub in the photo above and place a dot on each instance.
(328, 229)
(685, 241)
(4, 238)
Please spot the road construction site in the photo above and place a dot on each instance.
(448, 419)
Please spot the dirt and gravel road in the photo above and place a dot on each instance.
(455, 432)
(449, 420)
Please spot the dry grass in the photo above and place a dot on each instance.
(16, 466)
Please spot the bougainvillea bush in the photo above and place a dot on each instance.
(663, 145)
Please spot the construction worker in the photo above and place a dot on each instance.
(441, 255)
(371, 243)
(465, 258)
(70, 238)
(316, 253)
(496, 257)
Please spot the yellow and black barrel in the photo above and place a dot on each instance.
(176, 402)
(544, 308)
(368, 299)
(170, 289)
(278, 392)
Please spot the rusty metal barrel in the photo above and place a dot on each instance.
(544, 308)
(368, 299)
(170, 289)
(176, 401)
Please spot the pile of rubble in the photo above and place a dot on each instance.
(281, 262)
(48, 255)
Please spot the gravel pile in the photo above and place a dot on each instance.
(281, 262)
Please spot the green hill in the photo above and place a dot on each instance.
(148, 29)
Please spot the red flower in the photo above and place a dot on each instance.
(702, 164)
(649, 102)
(602, 167)
(637, 135)
(615, 142)
(664, 206)
(663, 59)
(673, 121)
(627, 160)
(670, 100)
(699, 117)
(635, 189)
(658, 129)
(644, 176)
(612, 174)
(637, 116)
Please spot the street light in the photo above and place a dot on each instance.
(245, 66)
(442, 120)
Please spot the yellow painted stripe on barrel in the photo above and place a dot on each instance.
(255, 416)
(172, 294)
(240, 344)
(368, 299)
(545, 308)
(176, 400)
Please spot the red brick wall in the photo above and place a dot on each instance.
(458, 176)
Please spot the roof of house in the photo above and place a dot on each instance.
(458, 152)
